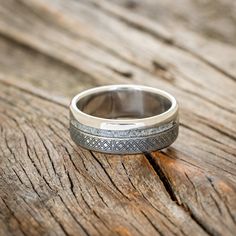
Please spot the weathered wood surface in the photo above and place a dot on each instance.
(50, 50)
(215, 19)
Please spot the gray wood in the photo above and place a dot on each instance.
(214, 19)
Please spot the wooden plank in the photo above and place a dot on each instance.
(176, 34)
(201, 193)
(197, 172)
(61, 189)
(40, 70)
(173, 60)
(211, 19)
(191, 88)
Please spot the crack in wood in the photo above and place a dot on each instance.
(162, 177)
(152, 224)
(174, 197)
(107, 174)
(127, 74)
(84, 230)
(208, 229)
(220, 197)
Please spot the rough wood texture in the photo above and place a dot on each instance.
(50, 50)
(215, 19)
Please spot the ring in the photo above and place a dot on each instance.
(124, 119)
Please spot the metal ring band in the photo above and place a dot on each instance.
(124, 119)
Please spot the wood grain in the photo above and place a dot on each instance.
(214, 19)
(52, 50)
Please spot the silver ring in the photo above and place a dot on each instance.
(124, 119)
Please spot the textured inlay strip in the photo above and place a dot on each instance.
(125, 145)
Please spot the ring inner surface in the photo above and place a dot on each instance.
(124, 104)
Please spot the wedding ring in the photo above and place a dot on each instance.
(124, 119)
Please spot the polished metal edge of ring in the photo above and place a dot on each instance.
(123, 124)
(125, 145)
(138, 132)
